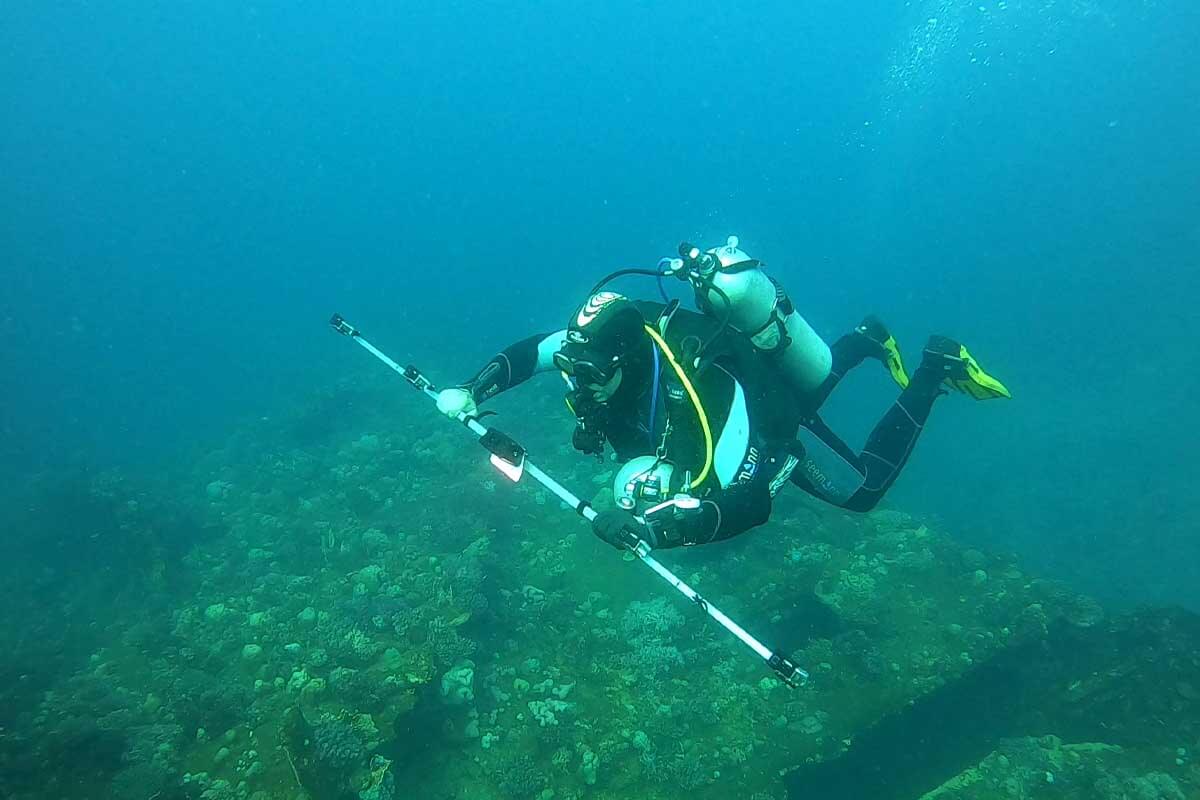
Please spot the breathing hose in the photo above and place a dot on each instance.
(691, 391)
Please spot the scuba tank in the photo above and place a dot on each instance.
(732, 286)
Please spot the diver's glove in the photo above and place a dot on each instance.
(621, 528)
(455, 401)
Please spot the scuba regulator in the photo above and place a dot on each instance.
(591, 419)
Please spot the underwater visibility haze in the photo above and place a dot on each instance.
(244, 560)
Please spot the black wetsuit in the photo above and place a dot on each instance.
(764, 433)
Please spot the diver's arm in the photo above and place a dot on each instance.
(731, 511)
(514, 364)
(735, 510)
(721, 515)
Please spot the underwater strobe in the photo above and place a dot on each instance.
(510, 458)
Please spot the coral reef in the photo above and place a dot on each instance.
(354, 611)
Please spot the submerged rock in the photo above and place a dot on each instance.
(1044, 768)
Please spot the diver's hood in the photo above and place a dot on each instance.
(605, 326)
(608, 331)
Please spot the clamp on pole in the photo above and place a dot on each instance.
(508, 455)
(340, 325)
(787, 670)
(414, 376)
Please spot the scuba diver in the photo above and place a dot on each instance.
(711, 413)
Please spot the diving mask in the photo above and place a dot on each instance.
(586, 372)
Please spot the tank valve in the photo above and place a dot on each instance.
(697, 260)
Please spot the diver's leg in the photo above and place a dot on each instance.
(848, 352)
(829, 470)
(825, 466)
(945, 363)
(893, 438)
(870, 339)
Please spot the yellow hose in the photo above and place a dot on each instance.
(687, 385)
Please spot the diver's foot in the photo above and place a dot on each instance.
(885, 348)
(959, 370)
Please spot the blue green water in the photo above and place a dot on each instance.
(225, 528)
(189, 192)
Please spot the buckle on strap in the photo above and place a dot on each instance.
(780, 340)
